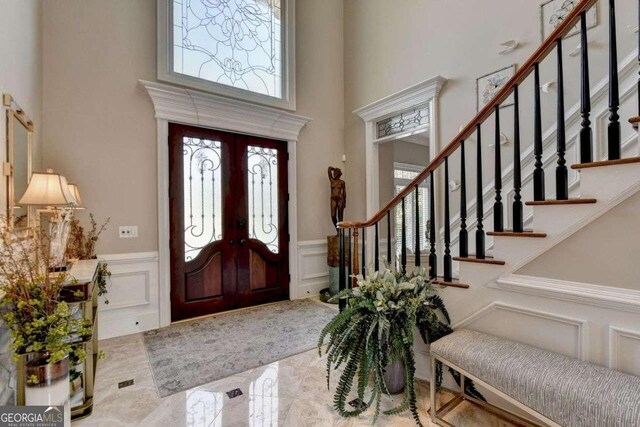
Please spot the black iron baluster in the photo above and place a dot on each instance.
(350, 260)
(498, 212)
(518, 220)
(417, 231)
(479, 202)
(463, 239)
(364, 253)
(447, 228)
(389, 239)
(613, 130)
(586, 134)
(538, 172)
(433, 258)
(403, 248)
(376, 253)
(562, 180)
(342, 280)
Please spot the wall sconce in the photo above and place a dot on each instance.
(454, 185)
(504, 140)
(577, 50)
(546, 88)
(509, 46)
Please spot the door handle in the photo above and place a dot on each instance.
(232, 242)
(241, 241)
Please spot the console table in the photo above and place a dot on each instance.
(82, 298)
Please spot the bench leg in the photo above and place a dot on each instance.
(433, 409)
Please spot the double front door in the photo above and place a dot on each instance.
(228, 213)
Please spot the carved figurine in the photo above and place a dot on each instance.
(338, 195)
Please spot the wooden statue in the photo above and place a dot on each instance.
(338, 195)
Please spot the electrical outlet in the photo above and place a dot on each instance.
(128, 231)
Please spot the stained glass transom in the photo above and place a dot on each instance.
(202, 194)
(407, 120)
(263, 195)
(236, 43)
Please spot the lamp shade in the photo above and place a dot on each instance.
(73, 189)
(47, 189)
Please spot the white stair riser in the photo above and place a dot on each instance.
(605, 183)
(515, 249)
(555, 219)
(478, 274)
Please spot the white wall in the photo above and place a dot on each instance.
(20, 76)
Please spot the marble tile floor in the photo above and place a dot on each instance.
(291, 392)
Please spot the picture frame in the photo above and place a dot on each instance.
(489, 85)
(552, 12)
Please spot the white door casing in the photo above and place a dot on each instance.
(181, 105)
(425, 92)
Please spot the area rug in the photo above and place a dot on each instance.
(193, 353)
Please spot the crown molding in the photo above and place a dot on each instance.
(188, 106)
(413, 95)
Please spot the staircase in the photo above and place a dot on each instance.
(487, 283)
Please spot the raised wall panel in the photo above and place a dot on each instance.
(313, 272)
(132, 293)
(624, 350)
(548, 331)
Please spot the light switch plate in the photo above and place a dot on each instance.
(128, 231)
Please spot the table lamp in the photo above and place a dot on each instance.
(52, 192)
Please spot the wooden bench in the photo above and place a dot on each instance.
(552, 388)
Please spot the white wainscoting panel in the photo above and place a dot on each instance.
(313, 272)
(532, 327)
(132, 293)
(624, 350)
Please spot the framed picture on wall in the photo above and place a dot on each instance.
(553, 13)
(490, 84)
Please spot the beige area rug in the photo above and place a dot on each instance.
(193, 353)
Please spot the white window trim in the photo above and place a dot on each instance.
(166, 73)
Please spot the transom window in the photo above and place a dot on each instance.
(237, 48)
(410, 119)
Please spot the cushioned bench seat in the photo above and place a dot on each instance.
(566, 390)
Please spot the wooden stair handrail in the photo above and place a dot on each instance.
(521, 74)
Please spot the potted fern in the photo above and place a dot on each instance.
(374, 335)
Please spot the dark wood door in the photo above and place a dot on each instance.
(228, 221)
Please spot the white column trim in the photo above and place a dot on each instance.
(181, 105)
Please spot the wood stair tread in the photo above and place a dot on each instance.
(635, 121)
(560, 202)
(491, 261)
(455, 283)
(509, 233)
(602, 163)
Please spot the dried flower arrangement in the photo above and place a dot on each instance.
(82, 246)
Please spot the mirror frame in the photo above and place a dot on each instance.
(15, 112)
